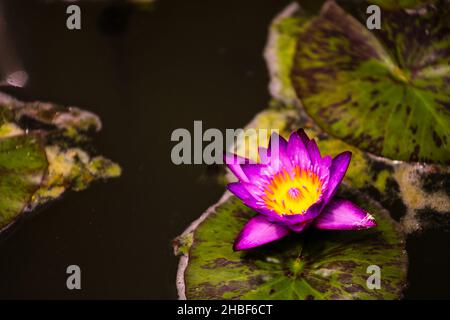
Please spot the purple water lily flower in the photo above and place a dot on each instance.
(292, 188)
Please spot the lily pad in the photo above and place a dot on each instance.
(280, 50)
(23, 165)
(416, 192)
(71, 169)
(42, 155)
(385, 91)
(311, 265)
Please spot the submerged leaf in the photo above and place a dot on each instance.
(311, 265)
(386, 91)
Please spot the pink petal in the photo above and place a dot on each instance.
(338, 169)
(234, 163)
(296, 150)
(313, 151)
(258, 231)
(263, 155)
(300, 226)
(254, 171)
(302, 135)
(277, 151)
(342, 214)
(239, 191)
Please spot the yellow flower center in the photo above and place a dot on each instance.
(294, 193)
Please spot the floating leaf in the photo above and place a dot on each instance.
(280, 49)
(386, 91)
(74, 169)
(23, 164)
(311, 265)
(41, 155)
(49, 117)
(416, 192)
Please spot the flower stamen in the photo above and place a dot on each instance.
(289, 194)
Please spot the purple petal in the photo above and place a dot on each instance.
(254, 171)
(311, 147)
(313, 150)
(327, 161)
(310, 214)
(342, 214)
(299, 227)
(277, 153)
(338, 169)
(239, 191)
(258, 231)
(254, 189)
(276, 138)
(263, 155)
(253, 203)
(256, 203)
(234, 163)
(270, 215)
(302, 135)
(297, 152)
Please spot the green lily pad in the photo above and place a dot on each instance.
(280, 49)
(71, 169)
(23, 164)
(416, 192)
(311, 265)
(42, 155)
(385, 91)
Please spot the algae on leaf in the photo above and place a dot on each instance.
(280, 50)
(41, 155)
(385, 91)
(23, 165)
(416, 190)
(384, 95)
(311, 265)
(415, 193)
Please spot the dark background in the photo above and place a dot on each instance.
(145, 73)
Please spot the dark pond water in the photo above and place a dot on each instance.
(145, 73)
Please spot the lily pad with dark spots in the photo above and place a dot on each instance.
(414, 192)
(23, 165)
(311, 265)
(280, 49)
(385, 91)
(42, 155)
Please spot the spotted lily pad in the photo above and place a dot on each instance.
(417, 193)
(23, 165)
(41, 155)
(280, 49)
(385, 91)
(311, 265)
